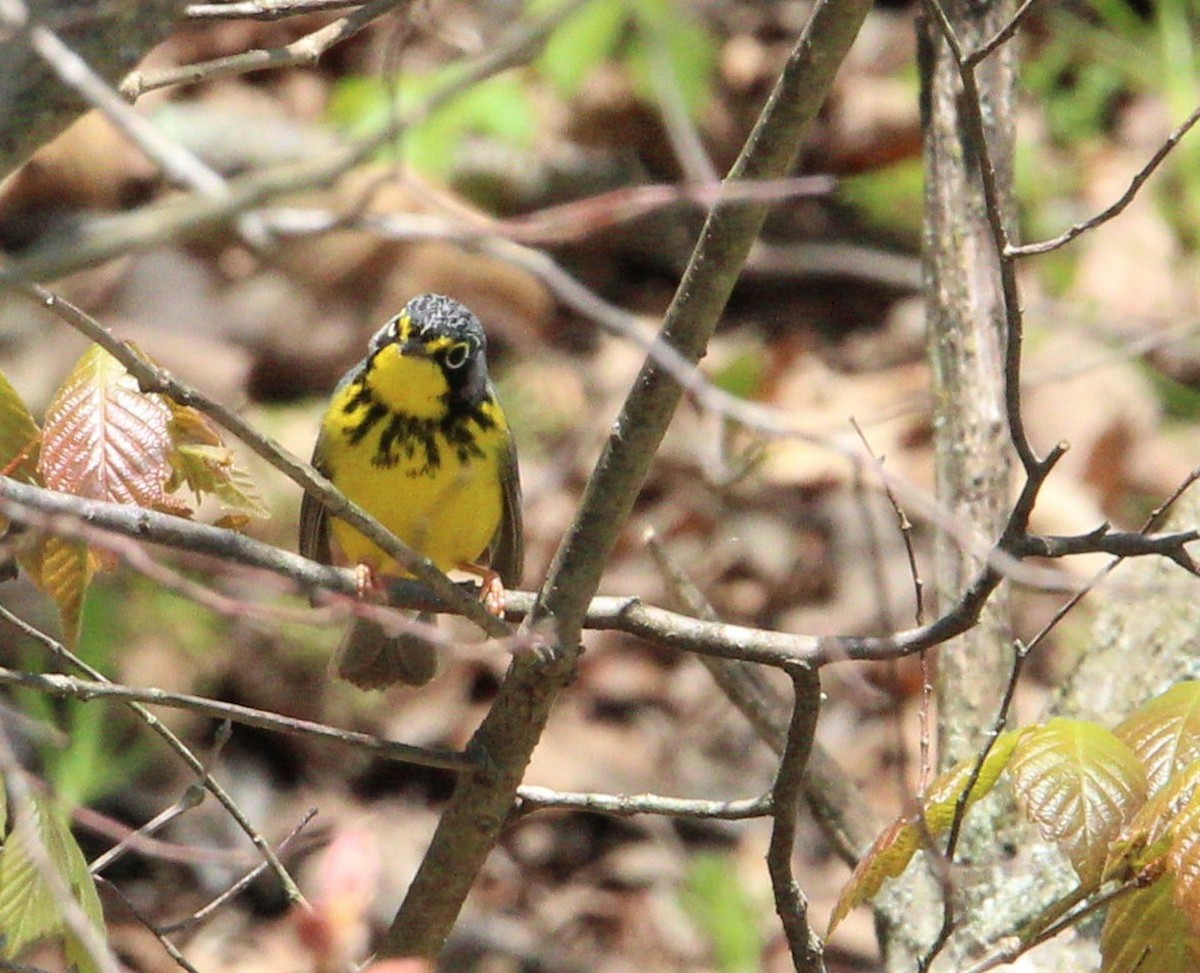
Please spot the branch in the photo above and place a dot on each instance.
(303, 51)
(110, 36)
(530, 798)
(263, 9)
(627, 614)
(834, 800)
(176, 217)
(193, 763)
(86, 690)
(1117, 543)
(1127, 197)
(790, 904)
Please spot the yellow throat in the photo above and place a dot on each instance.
(428, 470)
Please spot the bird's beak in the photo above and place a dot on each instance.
(414, 348)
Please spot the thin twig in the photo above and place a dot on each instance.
(171, 949)
(234, 890)
(1127, 197)
(832, 798)
(86, 690)
(191, 798)
(971, 104)
(530, 798)
(1002, 36)
(291, 890)
(301, 52)
(263, 9)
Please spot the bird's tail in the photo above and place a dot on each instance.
(371, 659)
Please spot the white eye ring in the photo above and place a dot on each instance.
(456, 355)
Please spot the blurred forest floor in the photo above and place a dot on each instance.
(826, 325)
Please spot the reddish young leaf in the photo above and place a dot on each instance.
(1165, 732)
(1081, 785)
(105, 439)
(1146, 933)
(889, 856)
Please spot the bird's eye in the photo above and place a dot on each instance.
(457, 355)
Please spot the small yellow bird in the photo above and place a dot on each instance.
(414, 435)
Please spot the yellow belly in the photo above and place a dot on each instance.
(448, 512)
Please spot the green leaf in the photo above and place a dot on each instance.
(941, 802)
(19, 435)
(1184, 862)
(887, 857)
(1080, 785)
(29, 909)
(1165, 732)
(581, 43)
(201, 460)
(891, 852)
(1144, 841)
(62, 569)
(1146, 933)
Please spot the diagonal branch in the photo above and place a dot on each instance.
(482, 802)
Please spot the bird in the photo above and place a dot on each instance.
(415, 435)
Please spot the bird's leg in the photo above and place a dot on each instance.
(491, 588)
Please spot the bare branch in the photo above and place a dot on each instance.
(302, 52)
(530, 798)
(291, 890)
(236, 889)
(1127, 197)
(833, 799)
(86, 690)
(1120, 544)
(263, 9)
(790, 904)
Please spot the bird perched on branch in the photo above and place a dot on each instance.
(415, 435)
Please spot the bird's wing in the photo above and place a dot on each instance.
(314, 518)
(507, 550)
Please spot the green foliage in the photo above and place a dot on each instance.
(499, 107)
(30, 909)
(891, 198)
(656, 41)
(94, 761)
(723, 910)
(1123, 806)
(743, 374)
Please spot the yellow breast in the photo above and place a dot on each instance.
(428, 474)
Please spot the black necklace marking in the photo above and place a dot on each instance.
(405, 434)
